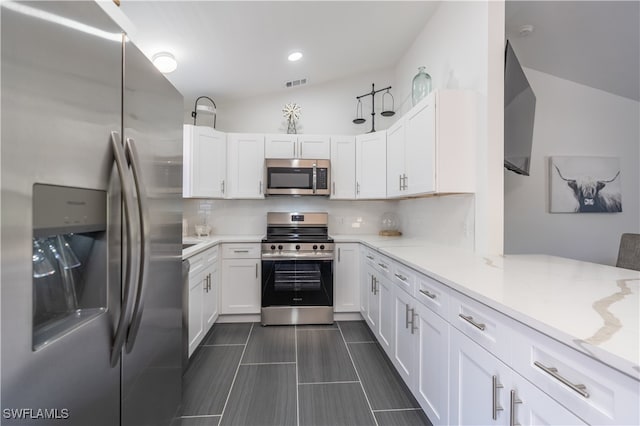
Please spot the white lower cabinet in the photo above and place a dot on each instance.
(431, 387)
(404, 348)
(204, 296)
(485, 391)
(346, 278)
(240, 279)
(386, 329)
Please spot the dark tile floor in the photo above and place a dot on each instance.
(246, 374)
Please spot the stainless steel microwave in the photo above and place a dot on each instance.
(297, 177)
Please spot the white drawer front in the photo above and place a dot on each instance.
(211, 255)
(241, 251)
(196, 264)
(482, 324)
(594, 392)
(432, 294)
(370, 258)
(384, 265)
(403, 278)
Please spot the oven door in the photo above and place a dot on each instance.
(299, 282)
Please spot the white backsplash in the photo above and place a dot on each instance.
(249, 217)
(447, 220)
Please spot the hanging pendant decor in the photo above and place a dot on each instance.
(386, 113)
(291, 112)
(421, 86)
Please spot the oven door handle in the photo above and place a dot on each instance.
(315, 177)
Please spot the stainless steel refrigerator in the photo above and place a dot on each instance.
(91, 157)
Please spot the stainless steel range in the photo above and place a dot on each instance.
(297, 269)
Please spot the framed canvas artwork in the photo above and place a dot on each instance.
(585, 185)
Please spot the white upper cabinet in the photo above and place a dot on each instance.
(280, 146)
(245, 165)
(343, 167)
(396, 172)
(314, 147)
(433, 149)
(371, 165)
(205, 162)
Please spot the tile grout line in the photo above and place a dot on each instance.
(236, 374)
(295, 340)
(358, 375)
(328, 383)
(397, 409)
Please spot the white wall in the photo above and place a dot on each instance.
(461, 47)
(327, 108)
(248, 217)
(572, 119)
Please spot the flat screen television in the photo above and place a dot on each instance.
(519, 115)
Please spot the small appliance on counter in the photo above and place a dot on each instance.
(297, 269)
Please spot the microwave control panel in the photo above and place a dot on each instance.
(321, 179)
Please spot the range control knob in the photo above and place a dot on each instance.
(273, 247)
(297, 246)
(280, 247)
(315, 247)
(322, 247)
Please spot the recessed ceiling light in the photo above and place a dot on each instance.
(165, 62)
(295, 56)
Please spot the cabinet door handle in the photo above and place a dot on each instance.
(223, 186)
(338, 254)
(300, 149)
(400, 182)
(413, 320)
(256, 270)
(428, 294)
(334, 188)
(260, 188)
(294, 149)
(470, 320)
(494, 397)
(406, 316)
(401, 277)
(371, 283)
(375, 286)
(553, 372)
(512, 408)
(357, 188)
(406, 185)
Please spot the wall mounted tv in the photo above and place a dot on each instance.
(519, 115)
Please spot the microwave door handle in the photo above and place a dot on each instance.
(131, 268)
(315, 178)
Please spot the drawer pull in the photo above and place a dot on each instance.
(513, 421)
(553, 372)
(401, 277)
(495, 385)
(369, 257)
(428, 294)
(470, 320)
(241, 251)
(382, 265)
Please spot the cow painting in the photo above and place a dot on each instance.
(591, 185)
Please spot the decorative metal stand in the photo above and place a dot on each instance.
(204, 108)
(373, 106)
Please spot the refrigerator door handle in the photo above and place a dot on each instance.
(131, 269)
(143, 211)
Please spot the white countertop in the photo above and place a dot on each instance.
(203, 243)
(590, 307)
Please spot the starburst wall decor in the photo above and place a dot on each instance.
(291, 112)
